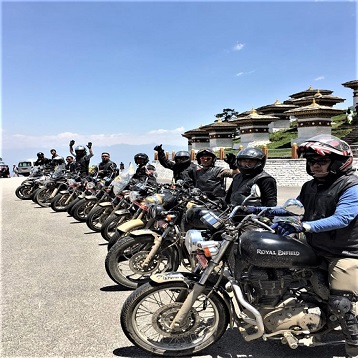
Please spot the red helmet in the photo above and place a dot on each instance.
(328, 145)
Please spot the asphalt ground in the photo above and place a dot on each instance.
(57, 300)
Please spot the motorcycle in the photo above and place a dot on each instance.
(269, 286)
(159, 247)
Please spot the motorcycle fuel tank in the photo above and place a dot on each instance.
(265, 249)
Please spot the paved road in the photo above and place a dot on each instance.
(56, 298)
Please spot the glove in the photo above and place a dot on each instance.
(231, 160)
(89, 145)
(285, 229)
(158, 148)
(72, 142)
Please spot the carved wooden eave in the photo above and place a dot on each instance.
(310, 92)
(314, 110)
(195, 132)
(351, 84)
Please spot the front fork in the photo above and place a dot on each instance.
(199, 286)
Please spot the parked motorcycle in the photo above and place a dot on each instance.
(159, 247)
(269, 286)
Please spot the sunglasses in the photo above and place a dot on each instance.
(320, 161)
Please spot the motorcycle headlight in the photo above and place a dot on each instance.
(192, 237)
(156, 211)
(90, 185)
(212, 221)
(134, 196)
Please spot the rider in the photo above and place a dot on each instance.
(70, 164)
(82, 158)
(106, 168)
(144, 171)
(182, 167)
(330, 223)
(208, 177)
(41, 160)
(251, 163)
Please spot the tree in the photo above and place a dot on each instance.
(226, 115)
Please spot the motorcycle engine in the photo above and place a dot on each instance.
(295, 315)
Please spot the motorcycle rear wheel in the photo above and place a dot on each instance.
(124, 261)
(148, 312)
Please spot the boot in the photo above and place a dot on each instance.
(342, 304)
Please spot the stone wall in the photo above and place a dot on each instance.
(287, 172)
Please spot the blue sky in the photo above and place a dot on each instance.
(129, 75)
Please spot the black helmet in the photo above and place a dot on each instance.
(206, 152)
(334, 148)
(40, 155)
(58, 160)
(143, 156)
(251, 153)
(80, 151)
(183, 155)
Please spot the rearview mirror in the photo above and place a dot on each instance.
(294, 206)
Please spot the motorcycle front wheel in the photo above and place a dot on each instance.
(59, 202)
(24, 192)
(124, 261)
(147, 314)
(109, 227)
(42, 197)
(81, 209)
(97, 217)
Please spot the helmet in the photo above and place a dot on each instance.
(183, 155)
(336, 149)
(251, 153)
(40, 155)
(143, 156)
(80, 151)
(58, 160)
(206, 152)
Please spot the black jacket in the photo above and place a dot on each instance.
(320, 200)
(241, 186)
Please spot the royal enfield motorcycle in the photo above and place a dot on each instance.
(269, 286)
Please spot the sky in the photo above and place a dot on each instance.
(128, 75)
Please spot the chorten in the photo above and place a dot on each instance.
(313, 119)
(254, 128)
(354, 86)
(221, 134)
(198, 138)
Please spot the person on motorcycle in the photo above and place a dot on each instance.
(183, 168)
(70, 164)
(58, 163)
(251, 163)
(41, 160)
(82, 158)
(144, 171)
(53, 153)
(208, 177)
(106, 168)
(330, 223)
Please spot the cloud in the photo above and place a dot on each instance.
(320, 78)
(164, 136)
(244, 73)
(238, 47)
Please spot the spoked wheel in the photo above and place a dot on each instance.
(148, 312)
(125, 261)
(97, 217)
(42, 197)
(82, 209)
(60, 202)
(109, 227)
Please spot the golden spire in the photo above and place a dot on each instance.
(219, 120)
(253, 111)
(314, 104)
(277, 102)
(318, 94)
(310, 89)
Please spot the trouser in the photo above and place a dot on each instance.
(343, 282)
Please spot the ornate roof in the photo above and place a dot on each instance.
(310, 91)
(323, 99)
(351, 84)
(315, 109)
